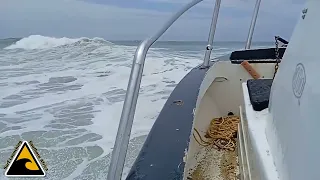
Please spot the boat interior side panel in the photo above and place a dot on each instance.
(260, 157)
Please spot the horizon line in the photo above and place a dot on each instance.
(202, 41)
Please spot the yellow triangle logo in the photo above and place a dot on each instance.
(25, 163)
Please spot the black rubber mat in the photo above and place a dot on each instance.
(259, 92)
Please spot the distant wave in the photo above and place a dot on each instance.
(44, 42)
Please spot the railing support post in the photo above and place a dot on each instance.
(253, 24)
(124, 130)
(214, 21)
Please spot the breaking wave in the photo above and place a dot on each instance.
(44, 42)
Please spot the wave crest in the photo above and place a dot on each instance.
(44, 42)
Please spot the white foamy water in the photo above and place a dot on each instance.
(66, 95)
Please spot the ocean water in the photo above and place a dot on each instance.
(66, 95)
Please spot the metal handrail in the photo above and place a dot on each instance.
(124, 130)
(253, 24)
(211, 34)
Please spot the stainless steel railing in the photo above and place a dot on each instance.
(209, 47)
(129, 106)
(253, 24)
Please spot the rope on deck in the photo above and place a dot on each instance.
(221, 134)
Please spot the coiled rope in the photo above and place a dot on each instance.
(222, 133)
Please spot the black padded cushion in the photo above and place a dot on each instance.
(259, 93)
(256, 55)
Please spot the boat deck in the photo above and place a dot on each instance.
(217, 160)
(216, 165)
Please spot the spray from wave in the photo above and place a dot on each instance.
(42, 42)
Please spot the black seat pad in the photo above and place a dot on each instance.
(259, 93)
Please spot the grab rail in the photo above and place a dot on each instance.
(253, 24)
(124, 130)
(211, 34)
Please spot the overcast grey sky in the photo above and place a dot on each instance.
(137, 19)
